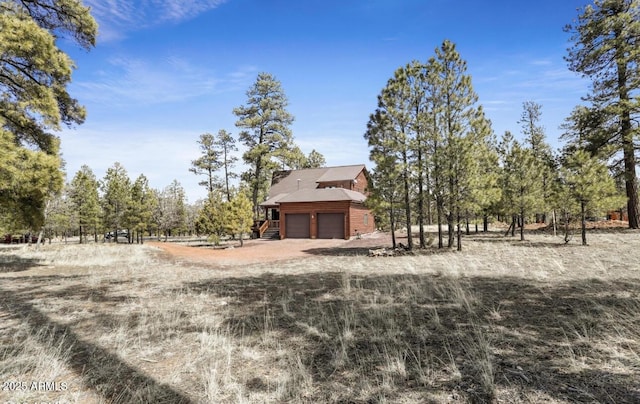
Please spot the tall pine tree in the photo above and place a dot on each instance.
(606, 50)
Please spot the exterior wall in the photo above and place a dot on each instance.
(355, 213)
(360, 185)
(314, 208)
(361, 220)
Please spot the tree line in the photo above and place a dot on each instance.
(437, 156)
(439, 161)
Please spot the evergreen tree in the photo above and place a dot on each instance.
(226, 145)
(535, 139)
(315, 159)
(34, 102)
(267, 122)
(238, 216)
(34, 78)
(605, 49)
(116, 197)
(86, 201)
(208, 163)
(395, 107)
(211, 218)
(142, 206)
(30, 178)
(385, 187)
(456, 111)
(521, 182)
(589, 185)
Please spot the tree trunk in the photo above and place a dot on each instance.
(423, 243)
(627, 134)
(583, 219)
(522, 225)
(450, 230)
(467, 222)
(459, 235)
(553, 221)
(80, 231)
(439, 214)
(407, 200)
(485, 223)
(392, 223)
(566, 227)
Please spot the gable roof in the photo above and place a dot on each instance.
(286, 185)
(343, 173)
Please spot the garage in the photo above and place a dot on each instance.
(297, 225)
(331, 225)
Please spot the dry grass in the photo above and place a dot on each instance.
(502, 321)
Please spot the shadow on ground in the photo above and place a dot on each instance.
(97, 368)
(15, 263)
(434, 337)
(424, 338)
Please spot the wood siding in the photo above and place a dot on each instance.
(358, 219)
(360, 184)
(313, 208)
(361, 220)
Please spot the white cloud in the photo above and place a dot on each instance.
(130, 80)
(117, 17)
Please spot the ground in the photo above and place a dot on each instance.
(314, 321)
(260, 251)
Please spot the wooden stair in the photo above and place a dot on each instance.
(271, 233)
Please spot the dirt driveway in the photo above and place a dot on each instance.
(255, 251)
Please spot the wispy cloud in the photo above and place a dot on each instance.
(118, 17)
(130, 80)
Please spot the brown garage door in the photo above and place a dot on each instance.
(330, 225)
(297, 225)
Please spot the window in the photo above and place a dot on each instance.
(366, 219)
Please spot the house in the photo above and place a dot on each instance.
(314, 203)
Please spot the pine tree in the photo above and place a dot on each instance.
(395, 108)
(208, 163)
(116, 196)
(238, 216)
(535, 139)
(211, 218)
(315, 159)
(142, 206)
(267, 122)
(86, 201)
(521, 182)
(226, 145)
(589, 185)
(384, 187)
(605, 49)
(456, 112)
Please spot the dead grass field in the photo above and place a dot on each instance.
(502, 321)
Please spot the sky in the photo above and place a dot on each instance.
(163, 72)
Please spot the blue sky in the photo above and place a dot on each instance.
(165, 71)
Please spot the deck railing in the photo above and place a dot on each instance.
(263, 227)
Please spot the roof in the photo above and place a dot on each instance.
(323, 195)
(287, 183)
(343, 173)
(290, 181)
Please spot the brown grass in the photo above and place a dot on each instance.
(503, 321)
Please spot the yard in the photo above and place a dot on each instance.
(319, 321)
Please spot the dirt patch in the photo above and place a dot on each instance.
(256, 251)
